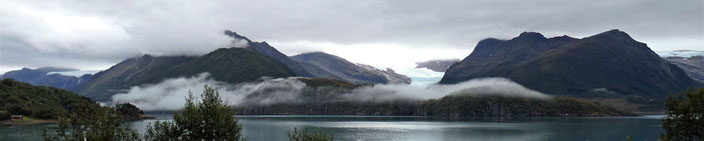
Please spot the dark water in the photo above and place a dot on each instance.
(268, 128)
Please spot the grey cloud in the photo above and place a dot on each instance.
(108, 31)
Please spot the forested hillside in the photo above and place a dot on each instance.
(37, 101)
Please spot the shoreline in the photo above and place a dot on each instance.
(26, 122)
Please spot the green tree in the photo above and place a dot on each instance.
(209, 118)
(685, 117)
(305, 135)
(92, 122)
(4, 115)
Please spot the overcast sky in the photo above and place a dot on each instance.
(95, 34)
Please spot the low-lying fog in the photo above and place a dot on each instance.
(170, 94)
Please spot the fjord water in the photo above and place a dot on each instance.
(272, 128)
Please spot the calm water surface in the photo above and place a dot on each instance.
(268, 128)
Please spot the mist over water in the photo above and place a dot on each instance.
(170, 94)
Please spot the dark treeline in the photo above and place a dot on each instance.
(323, 97)
(42, 102)
(456, 105)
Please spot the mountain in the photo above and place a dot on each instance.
(610, 61)
(691, 61)
(232, 65)
(693, 66)
(325, 65)
(32, 75)
(42, 77)
(437, 65)
(266, 49)
(128, 73)
(306, 69)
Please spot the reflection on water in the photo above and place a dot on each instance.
(422, 128)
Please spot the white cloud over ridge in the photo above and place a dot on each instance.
(170, 94)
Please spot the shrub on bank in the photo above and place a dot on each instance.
(4, 115)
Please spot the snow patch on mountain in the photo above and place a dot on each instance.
(680, 53)
(388, 73)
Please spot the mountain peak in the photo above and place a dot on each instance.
(530, 35)
(614, 33)
(563, 65)
(315, 53)
(236, 36)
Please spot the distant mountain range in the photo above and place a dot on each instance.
(691, 61)
(325, 65)
(610, 61)
(232, 65)
(46, 76)
(693, 66)
(437, 65)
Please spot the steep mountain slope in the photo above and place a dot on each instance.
(437, 65)
(232, 65)
(130, 72)
(266, 49)
(610, 61)
(341, 69)
(42, 77)
(693, 66)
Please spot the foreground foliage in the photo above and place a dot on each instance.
(4, 115)
(41, 102)
(92, 122)
(305, 135)
(685, 117)
(206, 119)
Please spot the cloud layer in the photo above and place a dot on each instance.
(95, 34)
(170, 94)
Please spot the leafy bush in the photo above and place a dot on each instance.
(93, 122)
(685, 117)
(207, 119)
(5, 115)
